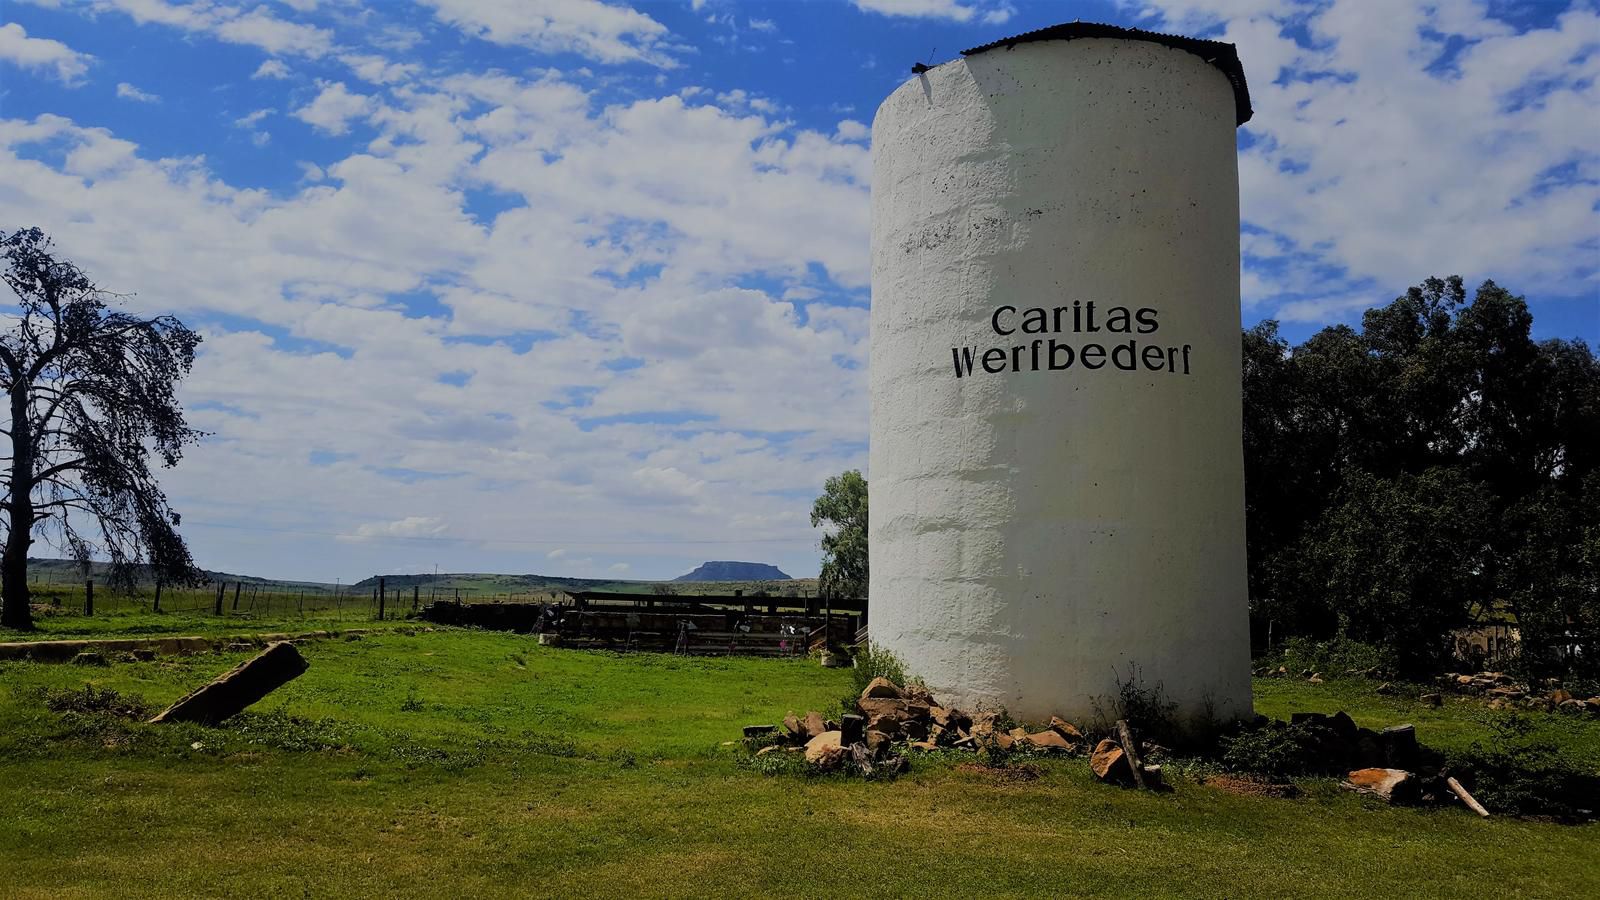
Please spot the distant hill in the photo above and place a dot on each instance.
(67, 571)
(724, 570)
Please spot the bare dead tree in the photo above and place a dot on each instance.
(93, 397)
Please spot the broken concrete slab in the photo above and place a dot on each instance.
(239, 687)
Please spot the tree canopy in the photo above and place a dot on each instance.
(1436, 467)
(843, 506)
(92, 394)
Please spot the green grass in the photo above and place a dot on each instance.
(74, 626)
(475, 764)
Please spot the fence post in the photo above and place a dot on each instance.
(302, 601)
(88, 597)
(158, 597)
(221, 586)
(237, 586)
(383, 596)
(416, 596)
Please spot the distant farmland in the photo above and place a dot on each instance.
(62, 583)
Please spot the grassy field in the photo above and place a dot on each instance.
(461, 763)
(135, 623)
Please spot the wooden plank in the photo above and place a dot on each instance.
(1125, 734)
(1468, 799)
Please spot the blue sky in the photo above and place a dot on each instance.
(580, 288)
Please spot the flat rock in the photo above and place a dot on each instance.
(883, 689)
(814, 725)
(882, 706)
(1393, 785)
(1109, 763)
(1066, 729)
(826, 750)
(1050, 741)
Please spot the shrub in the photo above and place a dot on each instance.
(873, 661)
(1277, 750)
(1338, 656)
(1145, 708)
(1518, 775)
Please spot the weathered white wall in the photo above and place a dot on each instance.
(1034, 533)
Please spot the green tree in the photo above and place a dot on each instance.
(1400, 560)
(1357, 423)
(843, 507)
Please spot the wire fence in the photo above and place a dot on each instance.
(267, 598)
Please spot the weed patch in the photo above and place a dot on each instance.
(91, 699)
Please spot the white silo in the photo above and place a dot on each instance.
(1056, 463)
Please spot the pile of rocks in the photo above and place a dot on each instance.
(889, 718)
(1390, 763)
(1505, 692)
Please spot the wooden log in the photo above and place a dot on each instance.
(1468, 799)
(1125, 734)
(241, 686)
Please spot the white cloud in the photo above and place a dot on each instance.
(598, 31)
(408, 527)
(128, 92)
(272, 68)
(66, 64)
(766, 26)
(851, 130)
(1373, 167)
(953, 10)
(621, 568)
(697, 195)
(378, 70)
(257, 27)
(334, 107)
(253, 119)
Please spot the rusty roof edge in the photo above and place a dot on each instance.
(1218, 53)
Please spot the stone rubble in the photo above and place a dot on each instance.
(889, 719)
(1389, 763)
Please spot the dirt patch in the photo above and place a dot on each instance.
(1251, 787)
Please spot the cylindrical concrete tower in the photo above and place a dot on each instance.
(1056, 465)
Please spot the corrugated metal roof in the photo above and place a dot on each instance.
(1222, 55)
